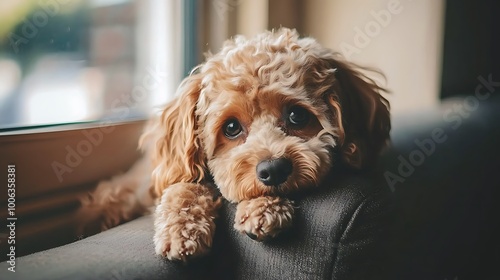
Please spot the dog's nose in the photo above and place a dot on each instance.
(275, 171)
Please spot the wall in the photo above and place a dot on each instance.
(402, 38)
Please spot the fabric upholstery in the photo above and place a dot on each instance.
(333, 228)
(319, 246)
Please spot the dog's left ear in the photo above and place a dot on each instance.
(359, 111)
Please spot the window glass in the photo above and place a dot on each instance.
(65, 61)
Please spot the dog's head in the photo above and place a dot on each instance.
(265, 116)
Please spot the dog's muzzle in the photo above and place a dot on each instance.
(274, 172)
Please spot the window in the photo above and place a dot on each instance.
(67, 61)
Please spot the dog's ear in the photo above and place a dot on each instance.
(358, 109)
(365, 114)
(176, 148)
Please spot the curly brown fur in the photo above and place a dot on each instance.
(261, 119)
(122, 198)
(184, 224)
(263, 217)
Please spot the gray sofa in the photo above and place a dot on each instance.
(428, 211)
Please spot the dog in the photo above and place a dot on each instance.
(262, 118)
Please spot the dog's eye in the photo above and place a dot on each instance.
(232, 128)
(298, 116)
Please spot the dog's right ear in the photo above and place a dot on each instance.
(175, 147)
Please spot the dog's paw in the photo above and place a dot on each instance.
(184, 224)
(183, 235)
(263, 217)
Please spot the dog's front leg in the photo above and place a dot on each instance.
(263, 217)
(184, 221)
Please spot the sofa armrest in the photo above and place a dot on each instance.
(338, 233)
(335, 235)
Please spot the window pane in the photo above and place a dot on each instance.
(65, 61)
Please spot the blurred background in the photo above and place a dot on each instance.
(66, 61)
